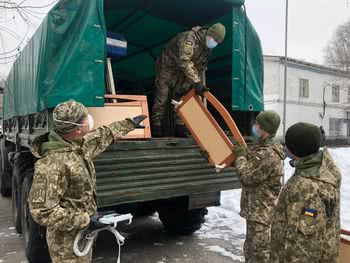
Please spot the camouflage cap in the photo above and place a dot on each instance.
(217, 31)
(68, 116)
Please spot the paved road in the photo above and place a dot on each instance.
(146, 243)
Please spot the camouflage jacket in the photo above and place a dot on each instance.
(306, 224)
(260, 175)
(186, 52)
(63, 192)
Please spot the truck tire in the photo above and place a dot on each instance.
(22, 161)
(34, 235)
(142, 210)
(177, 219)
(5, 168)
(16, 203)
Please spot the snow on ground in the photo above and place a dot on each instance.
(224, 222)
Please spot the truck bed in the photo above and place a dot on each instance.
(135, 171)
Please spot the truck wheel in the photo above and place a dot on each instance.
(5, 169)
(16, 204)
(34, 235)
(22, 161)
(179, 220)
(141, 210)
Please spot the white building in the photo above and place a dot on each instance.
(316, 94)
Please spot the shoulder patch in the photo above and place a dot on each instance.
(188, 47)
(39, 191)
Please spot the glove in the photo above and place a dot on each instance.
(239, 151)
(200, 88)
(204, 154)
(137, 120)
(94, 223)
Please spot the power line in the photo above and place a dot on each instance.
(24, 12)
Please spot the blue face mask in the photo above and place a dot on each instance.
(211, 43)
(255, 133)
(287, 153)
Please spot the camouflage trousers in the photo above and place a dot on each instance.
(61, 247)
(257, 243)
(170, 84)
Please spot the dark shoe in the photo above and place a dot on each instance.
(156, 131)
(181, 131)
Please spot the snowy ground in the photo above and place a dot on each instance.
(224, 222)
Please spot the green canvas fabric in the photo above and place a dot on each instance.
(66, 56)
(61, 61)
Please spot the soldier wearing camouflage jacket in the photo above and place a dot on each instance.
(306, 225)
(181, 65)
(63, 193)
(260, 170)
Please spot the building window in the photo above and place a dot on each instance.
(349, 94)
(335, 93)
(335, 126)
(304, 88)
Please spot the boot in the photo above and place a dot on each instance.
(156, 131)
(181, 131)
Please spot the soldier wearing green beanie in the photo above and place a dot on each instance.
(306, 224)
(63, 192)
(180, 67)
(260, 169)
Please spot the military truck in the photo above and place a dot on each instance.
(66, 59)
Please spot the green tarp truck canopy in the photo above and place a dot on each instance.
(65, 59)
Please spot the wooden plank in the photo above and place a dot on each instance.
(227, 118)
(124, 104)
(112, 112)
(144, 106)
(344, 251)
(126, 97)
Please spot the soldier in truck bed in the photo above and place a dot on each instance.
(180, 67)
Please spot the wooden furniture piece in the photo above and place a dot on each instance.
(206, 131)
(344, 251)
(127, 106)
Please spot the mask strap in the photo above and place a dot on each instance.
(68, 122)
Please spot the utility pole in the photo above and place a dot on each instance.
(285, 73)
(285, 79)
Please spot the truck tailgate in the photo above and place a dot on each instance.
(136, 171)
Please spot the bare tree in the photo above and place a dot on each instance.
(23, 13)
(337, 52)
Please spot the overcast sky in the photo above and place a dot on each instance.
(311, 25)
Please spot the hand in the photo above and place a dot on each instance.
(95, 224)
(239, 151)
(137, 120)
(200, 88)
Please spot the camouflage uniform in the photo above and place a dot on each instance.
(306, 225)
(63, 193)
(260, 173)
(179, 66)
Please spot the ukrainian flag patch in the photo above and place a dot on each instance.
(309, 212)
